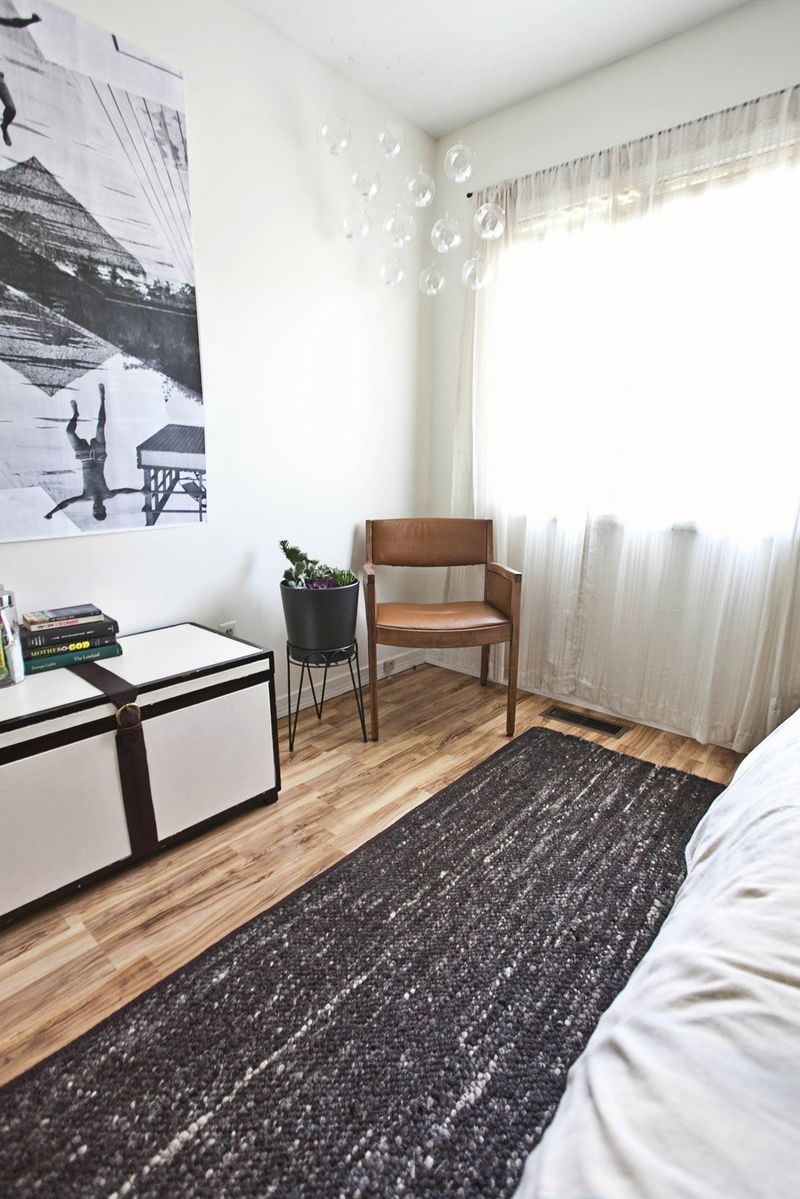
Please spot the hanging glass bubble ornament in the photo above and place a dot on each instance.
(446, 234)
(356, 222)
(489, 221)
(390, 139)
(392, 271)
(475, 274)
(333, 133)
(432, 279)
(367, 182)
(421, 188)
(401, 226)
(459, 163)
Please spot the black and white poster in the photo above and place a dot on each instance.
(101, 410)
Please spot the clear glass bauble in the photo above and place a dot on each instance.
(446, 234)
(356, 222)
(421, 187)
(401, 226)
(489, 221)
(459, 162)
(390, 139)
(432, 279)
(475, 274)
(367, 182)
(392, 272)
(333, 134)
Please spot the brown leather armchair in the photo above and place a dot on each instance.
(487, 622)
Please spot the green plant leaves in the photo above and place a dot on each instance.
(305, 571)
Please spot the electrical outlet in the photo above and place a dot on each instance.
(388, 666)
(228, 627)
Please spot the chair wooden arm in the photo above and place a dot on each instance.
(370, 602)
(504, 571)
(503, 589)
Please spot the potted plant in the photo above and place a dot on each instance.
(320, 603)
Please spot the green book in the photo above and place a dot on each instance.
(37, 665)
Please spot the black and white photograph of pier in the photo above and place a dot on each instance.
(101, 407)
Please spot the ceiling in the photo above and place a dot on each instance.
(446, 63)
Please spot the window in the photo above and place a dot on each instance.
(647, 370)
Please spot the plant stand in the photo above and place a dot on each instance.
(322, 659)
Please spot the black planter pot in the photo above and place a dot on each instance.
(320, 618)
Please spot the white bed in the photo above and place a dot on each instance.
(689, 1087)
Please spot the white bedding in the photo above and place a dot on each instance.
(689, 1087)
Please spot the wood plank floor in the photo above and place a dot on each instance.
(64, 969)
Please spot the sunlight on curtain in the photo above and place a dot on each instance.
(648, 370)
(629, 416)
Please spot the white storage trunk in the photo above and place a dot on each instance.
(208, 714)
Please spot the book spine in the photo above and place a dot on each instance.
(37, 665)
(65, 622)
(68, 647)
(71, 612)
(35, 639)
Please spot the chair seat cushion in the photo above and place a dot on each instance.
(469, 616)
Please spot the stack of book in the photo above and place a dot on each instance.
(64, 636)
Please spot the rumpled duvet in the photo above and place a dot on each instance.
(689, 1088)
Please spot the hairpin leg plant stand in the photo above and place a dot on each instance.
(309, 660)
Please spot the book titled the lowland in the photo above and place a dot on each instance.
(39, 638)
(53, 618)
(37, 665)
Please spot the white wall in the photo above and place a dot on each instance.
(731, 59)
(314, 374)
(301, 348)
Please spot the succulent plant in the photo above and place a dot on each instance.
(308, 572)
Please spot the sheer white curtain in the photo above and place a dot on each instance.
(629, 416)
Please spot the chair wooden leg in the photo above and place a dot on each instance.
(484, 664)
(513, 661)
(373, 688)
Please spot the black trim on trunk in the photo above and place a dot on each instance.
(274, 720)
(80, 884)
(84, 705)
(108, 724)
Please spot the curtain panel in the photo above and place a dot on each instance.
(676, 620)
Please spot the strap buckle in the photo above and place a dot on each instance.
(122, 723)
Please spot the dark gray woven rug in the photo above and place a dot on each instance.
(401, 1026)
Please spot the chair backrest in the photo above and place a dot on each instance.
(429, 542)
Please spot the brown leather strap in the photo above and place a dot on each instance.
(134, 775)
